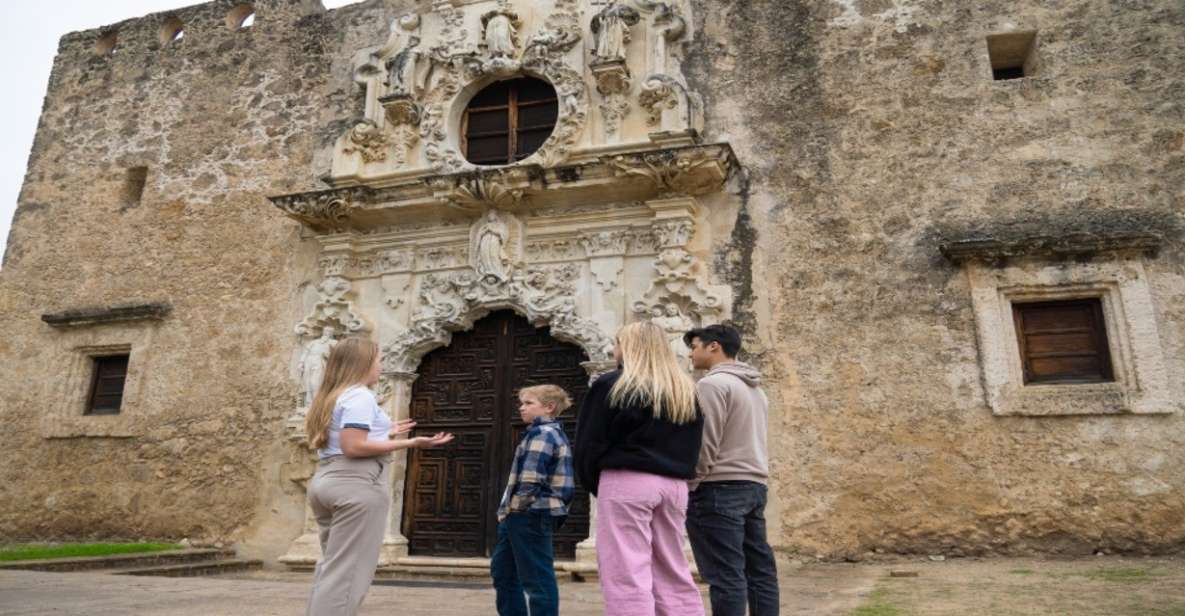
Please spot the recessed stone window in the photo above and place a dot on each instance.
(1063, 341)
(105, 45)
(1013, 55)
(106, 392)
(508, 121)
(1067, 324)
(99, 360)
(240, 17)
(171, 31)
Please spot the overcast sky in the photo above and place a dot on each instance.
(29, 33)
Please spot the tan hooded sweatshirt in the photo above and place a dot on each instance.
(736, 413)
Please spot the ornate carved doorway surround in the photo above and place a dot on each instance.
(606, 223)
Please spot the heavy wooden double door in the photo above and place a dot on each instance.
(469, 388)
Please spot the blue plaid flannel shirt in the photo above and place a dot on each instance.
(541, 477)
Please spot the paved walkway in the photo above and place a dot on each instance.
(29, 593)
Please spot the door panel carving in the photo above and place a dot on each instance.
(469, 388)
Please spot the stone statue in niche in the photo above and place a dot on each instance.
(501, 28)
(671, 319)
(489, 247)
(407, 70)
(611, 29)
(312, 363)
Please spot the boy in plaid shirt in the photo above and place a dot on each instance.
(535, 503)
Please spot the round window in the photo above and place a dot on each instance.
(508, 121)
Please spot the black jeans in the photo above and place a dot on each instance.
(726, 526)
(523, 561)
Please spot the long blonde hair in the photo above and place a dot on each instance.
(348, 365)
(651, 374)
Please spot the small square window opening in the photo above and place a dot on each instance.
(1013, 55)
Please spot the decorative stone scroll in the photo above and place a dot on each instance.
(688, 171)
(454, 301)
(333, 310)
(326, 210)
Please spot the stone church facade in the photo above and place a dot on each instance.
(950, 233)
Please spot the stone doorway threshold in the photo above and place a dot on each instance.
(467, 567)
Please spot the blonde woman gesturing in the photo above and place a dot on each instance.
(351, 493)
(637, 442)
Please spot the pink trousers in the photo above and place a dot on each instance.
(640, 556)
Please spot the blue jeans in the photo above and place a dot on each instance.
(523, 561)
(726, 526)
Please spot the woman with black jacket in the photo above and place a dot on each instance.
(637, 442)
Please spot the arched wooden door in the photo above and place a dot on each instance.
(468, 388)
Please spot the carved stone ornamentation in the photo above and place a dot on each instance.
(501, 31)
(441, 257)
(673, 233)
(692, 172)
(613, 83)
(366, 139)
(658, 93)
(605, 243)
(478, 192)
(611, 31)
(312, 363)
(327, 210)
(679, 283)
(491, 241)
(559, 249)
(334, 309)
(453, 302)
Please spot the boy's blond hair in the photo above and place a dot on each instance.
(549, 394)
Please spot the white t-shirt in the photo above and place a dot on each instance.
(356, 408)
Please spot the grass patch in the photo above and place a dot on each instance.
(1021, 572)
(879, 606)
(877, 609)
(1122, 574)
(39, 551)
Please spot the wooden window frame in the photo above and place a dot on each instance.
(1097, 330)
(96, 370)
(513, 130)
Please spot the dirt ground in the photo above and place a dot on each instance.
(1098, 586)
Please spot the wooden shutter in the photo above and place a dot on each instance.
(107, 386)
(1063, 341)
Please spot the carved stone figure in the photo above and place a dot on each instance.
(490, 247)
(611, 28)
(500, 32)
(407, 70)
(312, 363)
(675, 324)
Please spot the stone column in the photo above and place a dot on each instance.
(398, 406)
(586, 551)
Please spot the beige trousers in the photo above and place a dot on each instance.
(351, 498)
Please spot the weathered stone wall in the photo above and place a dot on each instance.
(220, 118)
(869, 127)
(865, 130)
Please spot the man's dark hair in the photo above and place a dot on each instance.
(727, 337)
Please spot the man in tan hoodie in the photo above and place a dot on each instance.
(726, 511)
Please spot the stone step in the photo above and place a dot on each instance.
(445, 568)
(118, 561)
(194, 569)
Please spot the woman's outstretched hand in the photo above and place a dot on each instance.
(403, 426)
(436, 440)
